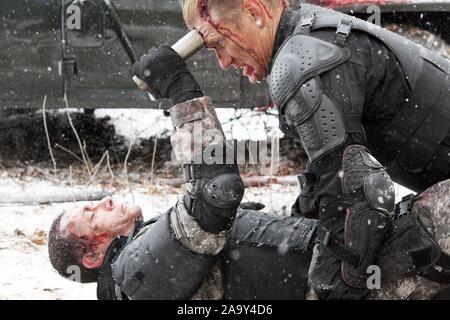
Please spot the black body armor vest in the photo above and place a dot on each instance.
(412, 142)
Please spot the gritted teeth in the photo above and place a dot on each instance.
(249, 71)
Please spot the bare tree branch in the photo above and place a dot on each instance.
(69, 152)
(71, 185)
(87, 155)
(44, 104)
(108, 163)
(98, 165)
(88, 168)
(125, 164)
(152, 172)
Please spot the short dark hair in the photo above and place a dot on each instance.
(66, 250)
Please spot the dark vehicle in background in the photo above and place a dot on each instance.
(42, 54)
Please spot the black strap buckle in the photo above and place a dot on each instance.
(343, 31)
(404, 207)
(306, 21)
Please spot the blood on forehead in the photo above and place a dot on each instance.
(203, 9)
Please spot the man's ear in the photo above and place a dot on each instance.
(257, 10)
(92, 260)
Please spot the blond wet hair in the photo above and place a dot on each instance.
(191, 8)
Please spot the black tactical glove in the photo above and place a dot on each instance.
(167, 75)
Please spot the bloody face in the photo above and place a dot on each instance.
(103, 222)
(237, 43)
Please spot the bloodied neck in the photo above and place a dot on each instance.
(243, 39)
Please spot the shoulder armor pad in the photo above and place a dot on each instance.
(410, 54)
(301, 58)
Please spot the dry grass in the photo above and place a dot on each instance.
(44, 104)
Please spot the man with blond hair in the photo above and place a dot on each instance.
(365, 103)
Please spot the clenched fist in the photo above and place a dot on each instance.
(167, 75)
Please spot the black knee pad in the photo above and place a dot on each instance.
(217, 190)
(370, 192)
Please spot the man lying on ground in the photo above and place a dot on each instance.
(264, 256)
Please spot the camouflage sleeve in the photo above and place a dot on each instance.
(192, 236)
(196, 127)
(212, 287)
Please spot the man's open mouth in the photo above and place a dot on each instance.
(249, 71)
